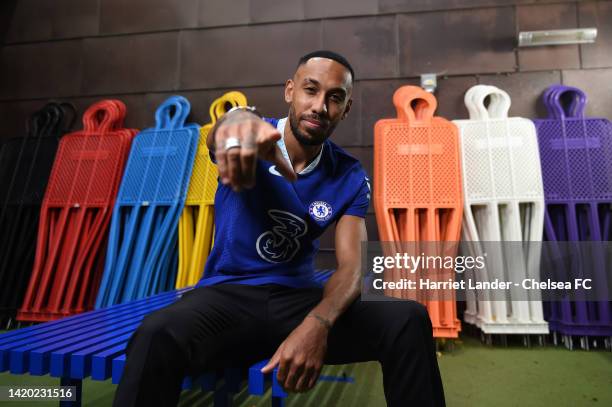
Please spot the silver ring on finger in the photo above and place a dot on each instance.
(232, 142)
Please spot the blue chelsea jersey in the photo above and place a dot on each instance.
(269, 234)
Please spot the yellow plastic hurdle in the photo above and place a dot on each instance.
(196, 226)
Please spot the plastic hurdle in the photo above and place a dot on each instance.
(25, 165)
(417, 192)
(141, 257)
(196, 224)
(504, 208)
(76, 213)
(577, 171)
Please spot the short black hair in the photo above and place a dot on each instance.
(329, 55)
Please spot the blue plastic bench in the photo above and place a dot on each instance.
(93, 345)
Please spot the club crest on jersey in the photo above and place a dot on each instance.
(320, 210)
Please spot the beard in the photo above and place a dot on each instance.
(315, 138)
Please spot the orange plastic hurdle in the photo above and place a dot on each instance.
(417, 196)
(75, 214)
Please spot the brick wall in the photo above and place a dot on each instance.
(144, 50)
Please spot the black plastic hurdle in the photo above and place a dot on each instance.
(25, 165)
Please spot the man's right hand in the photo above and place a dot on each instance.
(258, 139)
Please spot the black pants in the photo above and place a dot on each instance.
(232, 325)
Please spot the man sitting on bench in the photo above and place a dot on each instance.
(282, 183)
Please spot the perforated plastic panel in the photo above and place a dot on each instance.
(420, 163)
(39, 174)
(500, 159)
(87, 169)
(504, 201)
(203, 185)
(157, 168)
(576, 162)
(18, 159)
(76, 212)
(417, 188)
(25, 165)
(196, 225)
(577, 171)
(145, 219)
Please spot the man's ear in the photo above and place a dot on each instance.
(289, 90)
(347, 109)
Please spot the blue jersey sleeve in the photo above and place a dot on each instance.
(361, 202)
(273, 122)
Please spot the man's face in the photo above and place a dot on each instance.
(319, 96)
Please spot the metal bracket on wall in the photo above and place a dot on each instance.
(429, 82)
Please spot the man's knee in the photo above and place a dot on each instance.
(411, 316)
(159, 329)
(417, 312)
(156, 322)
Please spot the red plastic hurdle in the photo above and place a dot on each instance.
(417, 196)
(75, 215)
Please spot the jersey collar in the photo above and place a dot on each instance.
(280, 126)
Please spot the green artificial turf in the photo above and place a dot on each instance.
(477, 375)
(473, 374)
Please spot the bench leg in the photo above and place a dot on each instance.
(78, 383)
(278, 401)
(223, 398)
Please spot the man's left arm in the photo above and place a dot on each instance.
(300, 357)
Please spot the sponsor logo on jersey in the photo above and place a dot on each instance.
(281, 244)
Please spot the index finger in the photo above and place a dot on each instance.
(271, 363)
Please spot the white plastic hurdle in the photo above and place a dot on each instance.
(504, 203)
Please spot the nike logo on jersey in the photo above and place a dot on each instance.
(273, 170)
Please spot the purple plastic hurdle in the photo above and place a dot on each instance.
(576, 156)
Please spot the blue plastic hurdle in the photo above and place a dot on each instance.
(142, 241)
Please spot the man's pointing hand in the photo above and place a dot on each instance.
(239, 141)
